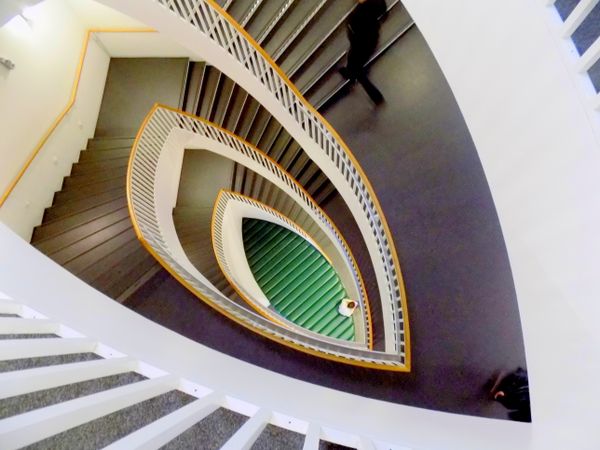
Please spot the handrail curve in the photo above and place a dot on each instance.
(208, 19)
(226, 197)
(161, 123)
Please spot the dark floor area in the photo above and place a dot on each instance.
(463, 313)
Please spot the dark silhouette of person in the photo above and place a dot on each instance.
(363, 34)
(512, 391)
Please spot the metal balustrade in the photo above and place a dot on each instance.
(152, 139)
(211, 20)
(218, 238)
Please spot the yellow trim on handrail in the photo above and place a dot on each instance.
(293, 224)
(305, 192)
(262, 311)
(283, 218)
(364, 178)
(168, 268)
(67, 108)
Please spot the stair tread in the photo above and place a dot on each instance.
(95, 255)
(62, 225)
(62, 209)
(55, 242)
(63, 253)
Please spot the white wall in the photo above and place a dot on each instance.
(95, 15)
(33, 95)
(542, 162)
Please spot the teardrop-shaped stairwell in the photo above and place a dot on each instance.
(296, 278)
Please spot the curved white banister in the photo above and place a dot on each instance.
(164, 133)
(203, 27)
(226, 234)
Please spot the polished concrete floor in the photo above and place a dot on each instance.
(464, 317)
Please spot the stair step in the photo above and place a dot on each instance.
(251, 109)
(325, 193)
(169, 427)
(69, 194)
(84, 179)
(262, 18)
(296, 278)
(141, 261)
(295, 18)
(41, 378)
(57, 242)
(330, 21)
(68, 424)
(90, 167)
(235, 107)
(64, 225)
(258, 126)
(28, 402)
(62, 209)
(110, 143)
(212, 431)
(45, 361)
(210, 83)
(291, 154)
(269, 136)
(113, 262)
(222, 102)
(277, 437)
(69, 245)
(105, 154)
(98, 253)
(281, 142)
(193, 85)
(108, 429)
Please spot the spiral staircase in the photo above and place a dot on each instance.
(52, 392)
(87, 230)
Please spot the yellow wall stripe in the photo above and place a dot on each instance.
(67, 108)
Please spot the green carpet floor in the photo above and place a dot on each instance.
(296, 278)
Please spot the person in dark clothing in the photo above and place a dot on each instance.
(512, 391)
(363, 34)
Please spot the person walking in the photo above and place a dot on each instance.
(363, 34)
(512, 391)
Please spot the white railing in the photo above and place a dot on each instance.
(204, 19)
(578, 65)
(153, 138)
(221, 240)
(34, 426)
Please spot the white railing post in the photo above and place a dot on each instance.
(313, 436)
(590, 57)
(249, 432)
(577, 16)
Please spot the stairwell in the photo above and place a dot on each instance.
(87, 229)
